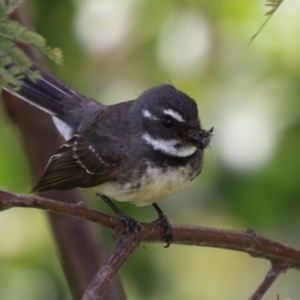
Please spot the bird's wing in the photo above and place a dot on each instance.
(82, 163)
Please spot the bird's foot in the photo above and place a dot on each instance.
(131, 226)
(163, 222)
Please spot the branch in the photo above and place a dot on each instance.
(271, 276)
(282, 257)
(123, 249)
(249, 242)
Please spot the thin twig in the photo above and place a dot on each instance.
(274, 4)
(276, 270)
(123, 249)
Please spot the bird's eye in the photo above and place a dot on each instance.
(167, 122)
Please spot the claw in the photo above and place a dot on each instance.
(165, 224)
(131, 226)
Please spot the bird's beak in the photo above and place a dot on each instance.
(201, 138)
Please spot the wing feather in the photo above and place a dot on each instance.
(78, 163)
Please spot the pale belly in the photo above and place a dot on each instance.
(153, 186)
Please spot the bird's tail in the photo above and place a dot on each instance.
(46, 93)
(49, 94)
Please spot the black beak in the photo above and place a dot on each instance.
(201, 138)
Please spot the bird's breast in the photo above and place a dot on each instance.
(152, 185)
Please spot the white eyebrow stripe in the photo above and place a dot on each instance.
(147, 114)
(174, 114)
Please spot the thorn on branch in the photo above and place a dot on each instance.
(251, 235)
(81, 203)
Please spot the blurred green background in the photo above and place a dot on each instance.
(115, 49)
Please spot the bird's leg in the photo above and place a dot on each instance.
(131, 225)
(165, 224)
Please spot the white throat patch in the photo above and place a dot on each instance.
(169, 146)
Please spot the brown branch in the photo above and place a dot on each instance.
(249, 242)
(123, 249)
(276, 270)
(282, 257)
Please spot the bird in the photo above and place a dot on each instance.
(139, 151)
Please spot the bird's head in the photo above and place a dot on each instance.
(170, 122)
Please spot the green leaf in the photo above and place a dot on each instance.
(15, 31)
(54, 54)
(7, 7)
(14, 63)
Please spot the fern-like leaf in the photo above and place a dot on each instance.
(14, 64)
(7, 7)
(55, 54)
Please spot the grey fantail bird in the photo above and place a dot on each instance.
(138, 151)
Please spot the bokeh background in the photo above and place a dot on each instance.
(115, 49)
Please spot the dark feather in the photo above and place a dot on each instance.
(77, 164)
